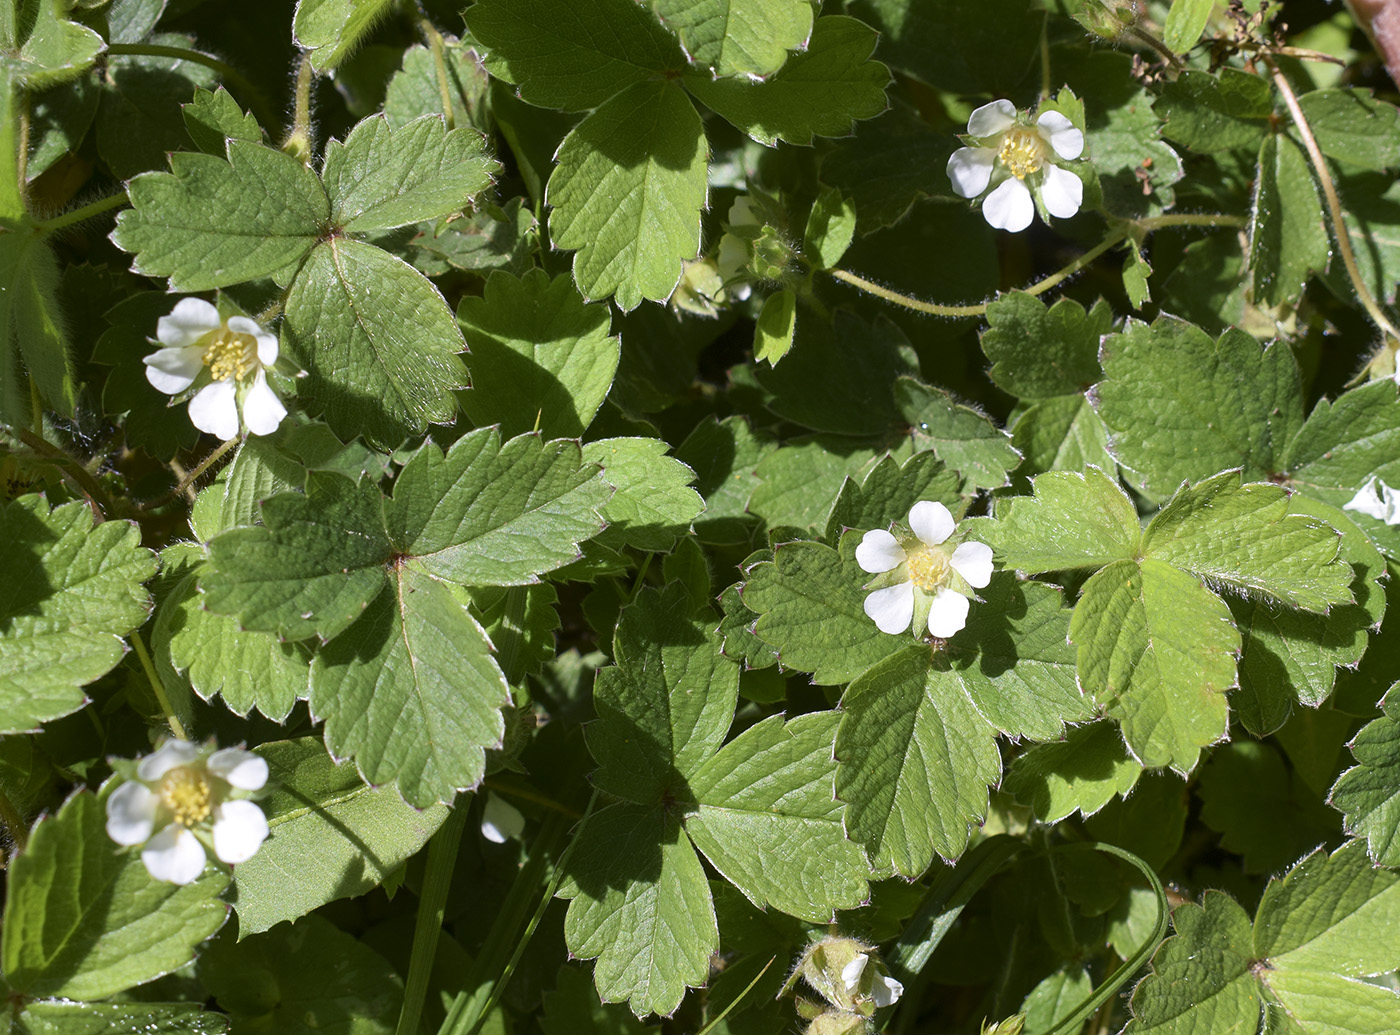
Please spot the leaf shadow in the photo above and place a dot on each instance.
(22, 562)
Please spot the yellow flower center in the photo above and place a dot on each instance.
(186, 793)
(230, 356)
(1022, 151)
(928, 568)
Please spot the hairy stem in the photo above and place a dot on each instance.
(157, 687)
(78, 215)
(82, 478)
(440, 68)
(298, 142)
(193, 476)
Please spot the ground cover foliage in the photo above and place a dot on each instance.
(610, 377)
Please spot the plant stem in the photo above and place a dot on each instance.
(298, 142)
(77, 215)
(1334, 204)
(439, 67)
(87, 485)
(256, 102)
(1044, 57)
(432, 906)
(157, 687)
(193, 476)
(22, 157)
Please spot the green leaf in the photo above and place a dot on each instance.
(738, 37)
(1073, 521)
(1037, 351)
(1081, 773)
(1208, 113)
(1063, 433)
(540, 356)
(1180, 407)
(73, 592)
(797, 482)
(1244, 536)
(382, 178)
(333, 29)
(627, 191)
(32, 328)
(378, 342)
(1157, 650)
(139, 120)
(964, 438)
(214, 117)
(822, 91)
(831, 225)
(520, 622)
(572, 1008)
(59, 120)
(1185, 23)
(414, 91)
(653, 504)
(724, 456)
(889, 491)
(573, 55)
(1352, 126)
(741, 643)
(209, 222)
(332, 836)
(61, 1017)
(45, 47)
(303, 978)
(916, 762)
(1368, 794)
(84, 920)
(1287, 234)
(774, 328)
(889, 164)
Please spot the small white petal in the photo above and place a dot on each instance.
(996, 117)
(215, 410)
(173, 370)
(886, 991)
(131, 814)
(239, 768)
(891, 608)
(742, 212)
(852, 971)
(973, 561)
(1067, 141)
(732, 257)
(970, 169)
(240, 828)
(1367, 501)
(1009, 207)
(500, 820)
(879, 551)
(931, 521)
(1061, 191)
(268, 350)
(948, 613)
(169, 755)
(1391, 499)
(190, 320)
(262, 410)
(174, 855)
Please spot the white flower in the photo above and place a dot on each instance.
(884, 990)
(500, 820)
(734, 252)
(1381, 503)
(927, 573)
(1024, 157)
(183, 788)
(228, 359)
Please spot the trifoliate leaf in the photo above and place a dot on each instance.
(73, 591)
(653, 504)
(963, 437)
(821, 91)
(888, 492)
(84, 920)
(1064, 433)
(1245, 537)
(1073, 521)
(540, 356)
(414, 90)
(738, 37)
(774, 329)
(1206, 113)
(724, 456)
(333, 29)
(916, 761)
(31, 328)
(1352, 126)
(627, 191)
(1368, 794)
(209, 222)
(1081, 773)
(741, 643)
(1037, 351)
(382, 178)
(797, 483)
(573, 55)
(1287, 235)
(1157, 650)
(1212, 404)
(332, 837)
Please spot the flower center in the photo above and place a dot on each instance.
(230, 355)
(928, 567)
(185, 792)
(1022, 151)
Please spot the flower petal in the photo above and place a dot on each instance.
(173, 370)
(948, 613)
(931, 521)
(970, 169)
(262, 410)
(1391, 500)
(239, 768)
(1064, 137)
(885, 991)
(268, 349)
(1009, 207)
(852, 971)
(973, 561)
(190, 320)
(500, 820)
(996, 117)
(891, 608)
(1367, 501)
(742, 212)
(879, 551)
(131, 814)
(174, 855)
(165, 758)
(240, 828)
(732, 257)
(215, 410)
(1061, 191)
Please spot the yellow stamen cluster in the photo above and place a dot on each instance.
(928, 567)
(231, 356)
(186, 793)
(1022, 151)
